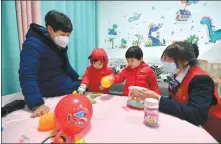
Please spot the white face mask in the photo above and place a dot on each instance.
(169, 67)
(62, 41)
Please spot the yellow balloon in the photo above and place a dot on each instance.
(105, 82)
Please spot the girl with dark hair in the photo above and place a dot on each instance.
(193, 98)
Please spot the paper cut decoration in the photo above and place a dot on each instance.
(135, 17)
(183, 15)
(111, 40)
(123, 43)
(113, 30)
(154, 41)
(213, 35)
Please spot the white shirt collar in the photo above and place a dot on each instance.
(182, 75)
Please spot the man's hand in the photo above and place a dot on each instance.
(41, 110)
(146, 94)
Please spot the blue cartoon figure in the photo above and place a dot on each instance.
(214, 35)
(153, 28)
(113, 30)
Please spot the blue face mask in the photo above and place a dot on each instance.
(169, 67)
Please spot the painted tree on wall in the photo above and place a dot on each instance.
(111, 40)
(138, 41)
(193, 39)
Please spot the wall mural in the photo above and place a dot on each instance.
(214, 35)
(183, 15)
(193, 39)
(112, 31)
(129, 33)
(189, 2)
(135, 17)
(154, 41)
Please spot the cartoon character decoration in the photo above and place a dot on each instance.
(214, 35)
(193, 39)
(189, 2)
(183, 15)
(123, 43)
(72, 114)
(135, 17)
(154, 41)
(112, 31)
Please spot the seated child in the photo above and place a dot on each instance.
(95, 72)
(137, 73)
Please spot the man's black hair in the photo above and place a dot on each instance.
(134, 52)
(181, 52)
(58, 21)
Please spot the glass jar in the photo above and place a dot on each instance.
(151, 112)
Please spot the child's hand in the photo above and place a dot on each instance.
(41, 110)
(101, 88)
(82, 88)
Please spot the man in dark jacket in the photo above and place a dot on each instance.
(45, 70)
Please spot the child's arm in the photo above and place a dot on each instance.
(86, 80)
(152, 80)
(120, 77)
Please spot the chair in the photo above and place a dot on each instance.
(215, 72)
(203, 64)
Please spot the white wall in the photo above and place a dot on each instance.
(118, 12)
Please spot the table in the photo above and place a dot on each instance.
(110, 123)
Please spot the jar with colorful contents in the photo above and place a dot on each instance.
(133, 101)
(151, 112)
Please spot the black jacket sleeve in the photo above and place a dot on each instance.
(200, 99)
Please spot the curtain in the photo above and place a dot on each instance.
(83, 40)
(10, 49)
(27, 12)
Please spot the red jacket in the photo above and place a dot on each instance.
(142, 76)
(92, 77)
(213, 124)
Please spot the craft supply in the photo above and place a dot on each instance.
(46, 122)
(151, 112)
(94, 95)
(133, 101)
